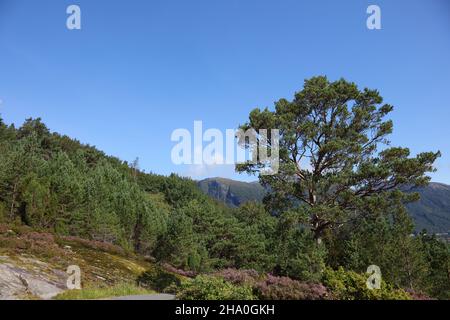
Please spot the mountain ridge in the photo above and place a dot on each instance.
(431, 212)
(232, 192)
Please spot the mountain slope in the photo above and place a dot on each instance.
(33, 264)
(432, 212)
(231, 192)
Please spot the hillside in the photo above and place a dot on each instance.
(53, 183)
(432, 212)
(33, 265)
(232, 192)
(65, 203)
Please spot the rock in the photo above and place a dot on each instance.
(24, 277)
(10, 285)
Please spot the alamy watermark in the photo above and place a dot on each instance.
(74, 278)
(374, 280)
(374, 20)
(230, 147)
(73, 22)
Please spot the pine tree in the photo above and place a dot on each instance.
(330, 137)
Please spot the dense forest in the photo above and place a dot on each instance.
(51, 182)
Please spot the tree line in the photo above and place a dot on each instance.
(344, 210)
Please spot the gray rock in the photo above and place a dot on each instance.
(22, 277)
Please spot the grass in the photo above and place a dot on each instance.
(124, 289)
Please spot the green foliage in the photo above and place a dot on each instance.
(329, 158)
(298, 254)
(158, 279)
(340, 184)
(349, 285)
(180, 243)
(202, 236)
(437, 255)
(349, 200)
(213, 288)
(51, 182)
(383, 239)
(283, 288)
(119, 290)
(432, 211)
(233, 193)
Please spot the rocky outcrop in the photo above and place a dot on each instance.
(24, 277)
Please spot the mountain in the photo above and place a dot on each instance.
(232, 192)
(432, 212)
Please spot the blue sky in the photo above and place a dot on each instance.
(137, 70)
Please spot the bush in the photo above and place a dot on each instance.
(349, 285)
(418, 295)
(3, 212)
(13, 243)
(95, 245)
(39, 238)
(299, 256)
(22, 239)
(269, 287)
(284, 288)
(21, 229)
(159, 280)
(239, 277)
(181, 272)
(213, 288)
(4, 228)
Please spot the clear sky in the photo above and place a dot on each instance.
(137, 70)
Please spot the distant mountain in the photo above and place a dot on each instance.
(232, 192)
(432, 212)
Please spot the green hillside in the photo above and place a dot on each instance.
(59, 196)
(52, 182)
(232, 192)
(431, 212)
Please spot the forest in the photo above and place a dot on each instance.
(56, 184)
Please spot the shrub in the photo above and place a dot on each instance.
(418, 295)
(184, 273)
(41, 244)
(284, 288)
(213, 288)
(39, 238)
(349, 285)
(13, 243)
(96, 245)
(3, 213)
(238, 277)
(4, 228)
(159, 280)
(21, 229)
